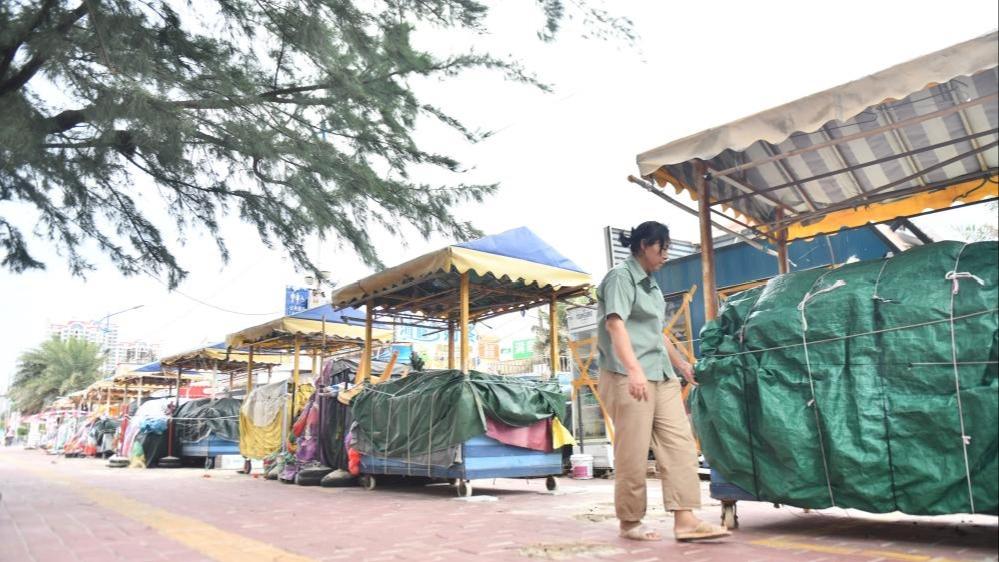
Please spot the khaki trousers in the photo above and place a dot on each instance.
(660, 423)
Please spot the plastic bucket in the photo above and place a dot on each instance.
(582, 466)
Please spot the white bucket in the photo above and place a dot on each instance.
(582, 466)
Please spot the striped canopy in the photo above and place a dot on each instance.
(918, 136)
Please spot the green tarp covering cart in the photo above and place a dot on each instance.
(449, 425)
(871, 386)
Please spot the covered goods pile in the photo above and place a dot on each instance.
(198, 419)
(871, 386)
(261, 418)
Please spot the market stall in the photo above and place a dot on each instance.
(318, 334)
(138, 385)
(460, 424)
(209, 427)
(918, 137)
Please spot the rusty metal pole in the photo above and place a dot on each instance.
(782, 261)
(707, 243)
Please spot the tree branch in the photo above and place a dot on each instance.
(9, 50)
(31, 67)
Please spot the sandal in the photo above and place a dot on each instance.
(641, 533)
(703, 531)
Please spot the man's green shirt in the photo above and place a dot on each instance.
(635, 296)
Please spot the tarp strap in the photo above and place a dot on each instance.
(953, 276)
(811, 383)
(745, 402)
(879, 319)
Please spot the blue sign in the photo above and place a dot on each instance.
(295, 300)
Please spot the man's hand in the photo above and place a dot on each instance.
(638, 386)
(687, 371)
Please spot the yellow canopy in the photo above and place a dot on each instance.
(514, 269)
(336, 331)
(219, 357)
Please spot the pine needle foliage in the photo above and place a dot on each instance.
(296, 115)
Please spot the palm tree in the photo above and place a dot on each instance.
(52, 369)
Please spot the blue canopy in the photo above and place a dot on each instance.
(523, 244)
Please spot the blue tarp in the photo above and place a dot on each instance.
(343, 316)
(521, 243)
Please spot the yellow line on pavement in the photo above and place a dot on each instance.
(203, 537)
(779, 542)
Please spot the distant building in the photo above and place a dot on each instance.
(105, 336)
(489, 348)
(136, 352)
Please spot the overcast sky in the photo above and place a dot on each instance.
(562, 158)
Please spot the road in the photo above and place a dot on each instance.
(55, 509)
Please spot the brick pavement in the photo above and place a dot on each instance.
(77, 509)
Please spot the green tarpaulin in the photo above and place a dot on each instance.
(840, 386)
(434, 410)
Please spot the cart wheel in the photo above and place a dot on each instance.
(551, 483)
(367, 482)
(464, 488)
(729, 518)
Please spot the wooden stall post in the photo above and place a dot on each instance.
(139, 399)
(249, 371)
(553, 332)
(294, 375)
(707, 243)
(366, 360)
(464, 322)
(450, 344)
(782, 263)
(322, 350)
(215, 376)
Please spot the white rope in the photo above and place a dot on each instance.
(954, 276)
(811, 383)
(810, 295)
(958, 363)
(877, 282)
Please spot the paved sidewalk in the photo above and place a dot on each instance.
(77, 509)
